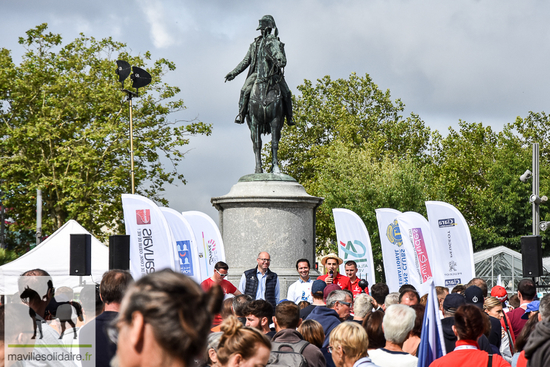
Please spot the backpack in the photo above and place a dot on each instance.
(278, 357)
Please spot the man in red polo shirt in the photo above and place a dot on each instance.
(526, 294)
(351, 272)
(331, 262)
(218, 277)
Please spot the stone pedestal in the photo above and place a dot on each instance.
(272, 213)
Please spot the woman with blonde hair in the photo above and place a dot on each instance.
(348, 345)
(164, 317)
(241, 346)
(493, 307)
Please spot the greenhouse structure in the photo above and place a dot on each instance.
(504, 263)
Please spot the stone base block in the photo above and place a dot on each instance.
(272, 213)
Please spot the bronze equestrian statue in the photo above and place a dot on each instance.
(265, 97)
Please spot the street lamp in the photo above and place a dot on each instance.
(531, 246)
(140, 78)
(535, 199)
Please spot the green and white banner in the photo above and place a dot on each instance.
(354, 243)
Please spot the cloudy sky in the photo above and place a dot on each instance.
(479, 61)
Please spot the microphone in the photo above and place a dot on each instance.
(331, 274)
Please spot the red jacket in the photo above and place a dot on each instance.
(354, 286)
(341, 280)
(468, 357)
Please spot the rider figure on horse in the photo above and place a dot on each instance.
(267, 24)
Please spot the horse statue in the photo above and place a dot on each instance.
(265, 106)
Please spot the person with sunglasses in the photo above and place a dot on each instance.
(219, 278)
(260, 282)
(338, 308)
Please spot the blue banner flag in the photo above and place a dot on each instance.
(431, 340)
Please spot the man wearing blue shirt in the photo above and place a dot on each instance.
(260, 282)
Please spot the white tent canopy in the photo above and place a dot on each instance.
(53, 256)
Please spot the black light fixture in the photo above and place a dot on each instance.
(140, 78)
(123, 71)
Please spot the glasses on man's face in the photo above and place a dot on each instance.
(264, 260)
(345, 303)
(220, 274)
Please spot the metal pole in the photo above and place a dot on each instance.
(131, 145)
(536, 212)
(38, 216)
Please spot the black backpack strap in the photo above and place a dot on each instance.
(490, 361)
(506, 323)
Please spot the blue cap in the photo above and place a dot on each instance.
(318, 286)
(453, 301)
(533, 306)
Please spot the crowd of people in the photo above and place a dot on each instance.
(166, 319)
(344, 325)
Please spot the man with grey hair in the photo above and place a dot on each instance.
(537, 349)
(362, 305)
(391, 299)
(397, 324)
(338, 307)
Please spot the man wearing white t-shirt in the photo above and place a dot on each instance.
(301, 289)
(397, 323)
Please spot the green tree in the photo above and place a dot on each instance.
(535, 128)
(477, 170)
(357, 179)
(351, 110)
(64, 130)
(352, 146)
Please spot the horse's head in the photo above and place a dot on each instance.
(274, 50)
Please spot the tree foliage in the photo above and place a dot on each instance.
(64, 129)
(357, 179)
(477, 170)
(351, 110)
(352, 146)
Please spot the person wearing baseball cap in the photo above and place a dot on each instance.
(331, 262)
(317, 289)
(450, 305)
(499, 293)
(328, 290)
(474, 296)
